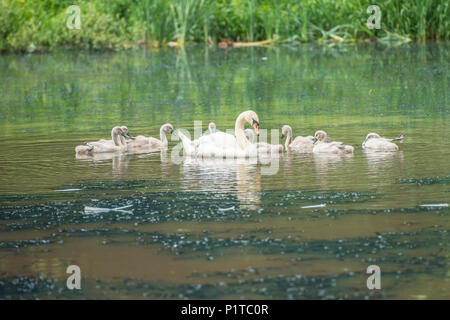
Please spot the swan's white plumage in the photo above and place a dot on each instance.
(142, 144)
(224, 145)
(299, 144)
(263, 147)
(374, 142)
(117, 143)
(216, 145)
(320, 146)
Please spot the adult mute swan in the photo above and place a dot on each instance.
(262, 147)
(118, 143)
(374, 142)
(221, 144)
(320, 146)
(141, 144)
(299, 144)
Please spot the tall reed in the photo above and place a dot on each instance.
(155, 17)
(189, 16)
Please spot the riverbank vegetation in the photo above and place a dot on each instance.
(39, 25)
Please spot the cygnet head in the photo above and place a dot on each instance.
(285, 130)
(121, 131)
(212, 127)
(167, 128)
(372, 135)
(126, 132)
(320, 135)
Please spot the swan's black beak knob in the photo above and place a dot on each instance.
(315, 140)
(282, 136)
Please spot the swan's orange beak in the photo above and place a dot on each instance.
(256, 127)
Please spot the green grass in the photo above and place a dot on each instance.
(27, 25)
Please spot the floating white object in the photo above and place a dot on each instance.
(315, 206)
(68, 190)
(91, 210)
(435, 205)
(226, 209)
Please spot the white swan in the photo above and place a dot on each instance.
(212, 127)
(221, 144)
(320, 146)
(118, 143)
(142, 144)
(263, 147)
(374, 142)
(299, 144)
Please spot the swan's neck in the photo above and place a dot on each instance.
(162, 135)
(116, 138)
(123, 141)
(242, 141)
(288, 139)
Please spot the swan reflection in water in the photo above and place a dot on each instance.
(381, 164)
(119, 162)
(327, 162)
(326, 166)
(239, 176)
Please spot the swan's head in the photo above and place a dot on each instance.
(168, 128)
(252, 118)
(371, 135)
(285, 130)
(126, 132)
(320, 135)
(121, 131)
(212, 127)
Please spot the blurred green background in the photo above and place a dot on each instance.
(37, 25)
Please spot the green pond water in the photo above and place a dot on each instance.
(226, 230)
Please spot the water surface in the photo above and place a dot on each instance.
(225, 230)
